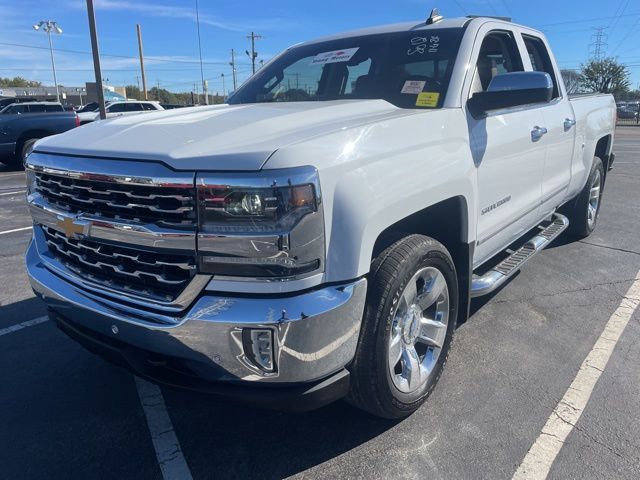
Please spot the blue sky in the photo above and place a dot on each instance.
(170, 37)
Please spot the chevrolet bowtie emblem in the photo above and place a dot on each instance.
(72, 227)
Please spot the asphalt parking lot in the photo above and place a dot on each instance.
(65, 413)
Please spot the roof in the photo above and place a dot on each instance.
(397, 27)
(44, 102)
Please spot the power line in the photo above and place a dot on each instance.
(506, 6)
(156, 59)
(488, 2)
(460, 7)
(631, 30)
(621, 8)
(586, 20)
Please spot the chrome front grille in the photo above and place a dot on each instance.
(172, 206)
(147, 274)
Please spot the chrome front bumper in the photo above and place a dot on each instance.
(315, 333)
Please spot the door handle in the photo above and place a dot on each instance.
(537, 133)
(568, 123)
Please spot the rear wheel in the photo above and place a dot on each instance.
(407, 329)
(584, 211)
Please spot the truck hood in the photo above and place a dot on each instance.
(221, 137)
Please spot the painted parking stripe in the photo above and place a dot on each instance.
(20, 326)
(16, 230)
(17, 192)
(540, 457)
(168, 452)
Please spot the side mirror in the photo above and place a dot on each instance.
(512, 90)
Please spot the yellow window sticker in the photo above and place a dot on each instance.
(427, 99)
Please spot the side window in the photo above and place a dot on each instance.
(354, 72)
(134, 107)
(37, 108)
(19, 109)
(116, 108)
(540, 60)
(53, 108)
(148, 106)
(498, 54)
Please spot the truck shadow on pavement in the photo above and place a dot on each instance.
(21, 311)
(226, 441)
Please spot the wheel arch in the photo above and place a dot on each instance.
(603, 151)
(29, 134)
(447, 222)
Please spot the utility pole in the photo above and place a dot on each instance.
(253, 55)
(96, 58)
(144, 78)
(224, 90)
(158, 90)
(233, 69)
(204, 84)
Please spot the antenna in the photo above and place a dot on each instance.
(434, 17)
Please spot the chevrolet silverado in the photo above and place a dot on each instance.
(321, 234)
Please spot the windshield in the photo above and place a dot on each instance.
(89, 107)
(408, 69)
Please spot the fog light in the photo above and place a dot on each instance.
(258, 347)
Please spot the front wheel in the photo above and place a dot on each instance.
(410, 316)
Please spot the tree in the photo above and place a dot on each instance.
(572, 80)
(18, 82)
(605, 76)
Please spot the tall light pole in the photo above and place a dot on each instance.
(224, 90)
(204, 85)
(49, 26)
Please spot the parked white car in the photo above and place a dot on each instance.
(322, 234)
(119, 109)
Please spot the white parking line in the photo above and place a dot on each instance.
(20, 326)
(540, 457)
(16, 230)
(12, 193)
(168, 452)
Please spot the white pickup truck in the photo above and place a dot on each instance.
(321, 235)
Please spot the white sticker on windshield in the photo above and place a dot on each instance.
(335, 56)
(413, 86)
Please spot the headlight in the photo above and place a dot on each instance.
(30, 176)
(264, 225)
(227, 208)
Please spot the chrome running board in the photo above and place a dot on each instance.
(488, 282)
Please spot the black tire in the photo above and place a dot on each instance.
(23, 148)
(372, 387)
(578, 210)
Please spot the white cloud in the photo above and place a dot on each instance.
(170, 11)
